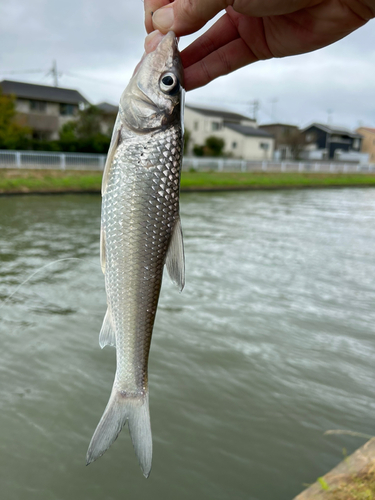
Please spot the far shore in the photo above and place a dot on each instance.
(25, 181)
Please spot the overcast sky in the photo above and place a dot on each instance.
(97, 44)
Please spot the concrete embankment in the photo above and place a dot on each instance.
(352, 479)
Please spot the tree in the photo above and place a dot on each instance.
(213, 146)
(12, 134)
(85, 134)
(187, 137)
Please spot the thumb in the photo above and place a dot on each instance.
(186, 16)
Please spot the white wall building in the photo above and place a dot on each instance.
(241, 136)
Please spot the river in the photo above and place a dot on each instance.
(271, 343)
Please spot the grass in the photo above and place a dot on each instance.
(357, 487)
(39, 181)
(271, 180)
(46, 181)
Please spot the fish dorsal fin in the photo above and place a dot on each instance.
(175, 260)
(107, 333)
(102, 249)
(116, 134)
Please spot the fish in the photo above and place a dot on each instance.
(140, 233)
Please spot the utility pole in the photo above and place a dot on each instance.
(329, 116)
(255, 105)
(273, 108)
(54, 73)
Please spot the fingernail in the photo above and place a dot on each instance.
(163, 18)
(152, 40)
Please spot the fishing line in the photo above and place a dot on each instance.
(33, 274)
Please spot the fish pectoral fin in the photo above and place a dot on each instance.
(115, 140)
(175, 260)
(107, 333)
(102, 249)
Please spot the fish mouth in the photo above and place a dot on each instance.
(161, 52)
(167, 54)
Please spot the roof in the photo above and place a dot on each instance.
(225, 115)
(278, 125)
(368, 129)
(248, 130)
(42, 92)
(332, 129)
(107, 108)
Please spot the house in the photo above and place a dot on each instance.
(368, 142)
(109, 113)
(323, 142)
(287, 140)
(242, 137)
(42, 108)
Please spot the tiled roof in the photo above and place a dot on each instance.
(331, 129)
(42, 92)
(225, 115)
(107, 108)
(369, 129)
(248, 130)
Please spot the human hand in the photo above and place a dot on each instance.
(251, 30)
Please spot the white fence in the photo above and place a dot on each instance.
(83, 161)
(229, 165)
(50, 160)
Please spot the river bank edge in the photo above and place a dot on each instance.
(351, 479)
(38, 181)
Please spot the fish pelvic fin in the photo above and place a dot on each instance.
(122, 408)
(107, 334)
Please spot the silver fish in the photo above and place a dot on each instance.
(141, 231)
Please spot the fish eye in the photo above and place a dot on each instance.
(169, 84)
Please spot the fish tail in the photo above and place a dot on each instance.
(122, 408)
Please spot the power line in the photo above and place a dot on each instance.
(20, 71)
(82, 77)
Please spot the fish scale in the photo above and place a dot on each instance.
(140, 232)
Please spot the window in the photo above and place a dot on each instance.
(234, 145)
(196, 125)
(264, 145)
(215, 126)
(39, 106)
(67, 109)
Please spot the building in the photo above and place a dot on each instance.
(368, 142)
(326, 142)
(42, 108)
(242, 137)
(109, 113)
(287, 140)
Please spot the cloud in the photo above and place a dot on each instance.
(97, 44)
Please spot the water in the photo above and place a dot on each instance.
(271, 343)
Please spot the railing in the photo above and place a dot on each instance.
(51, 160)
(231, 165)
(83, 161)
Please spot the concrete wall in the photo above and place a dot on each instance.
(368, 142)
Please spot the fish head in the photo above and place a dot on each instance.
(153, 98)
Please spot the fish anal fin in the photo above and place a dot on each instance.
(107, 333)
(175, 259)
